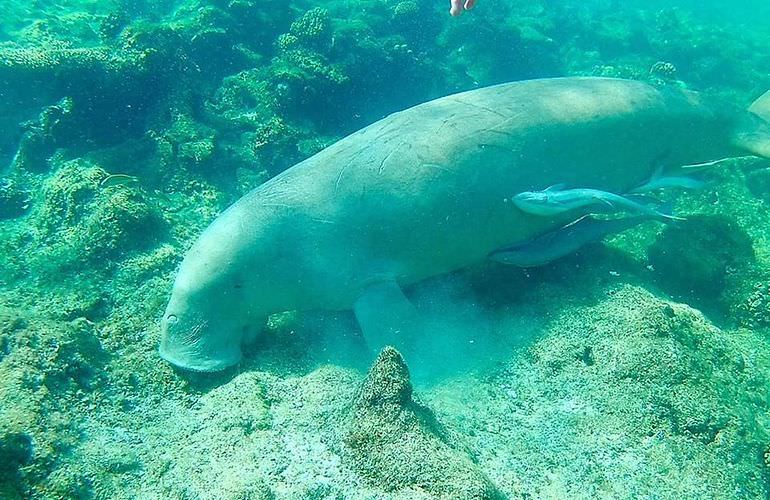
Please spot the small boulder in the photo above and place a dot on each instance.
(396, 444)
(695, 259)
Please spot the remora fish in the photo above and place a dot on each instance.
(423, 192)
(564, 241)
(555, 200)
(659, 180)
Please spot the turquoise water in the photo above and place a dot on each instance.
(613, 348)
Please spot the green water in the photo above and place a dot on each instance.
(635, 367)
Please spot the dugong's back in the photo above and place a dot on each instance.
(427, 190)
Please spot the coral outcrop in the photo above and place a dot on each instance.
(698, 258)
(397, 444)
(102, 220)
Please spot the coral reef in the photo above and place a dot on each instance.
(129, 125)
(67, 62)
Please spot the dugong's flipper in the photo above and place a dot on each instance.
(753, 134)
(386, 316)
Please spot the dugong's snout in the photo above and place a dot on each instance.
(198, 343)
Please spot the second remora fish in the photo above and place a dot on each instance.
(564, 241)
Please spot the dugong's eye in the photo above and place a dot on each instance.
(172, 319)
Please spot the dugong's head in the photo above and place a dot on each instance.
(197, 332)
(208, 313)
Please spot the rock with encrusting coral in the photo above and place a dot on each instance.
(398, 445)
(695, 259)
(48, 61)
(186, 142)
(52, 129)
(45, 366)
(313, 29)
(84, 217)
(754, 310)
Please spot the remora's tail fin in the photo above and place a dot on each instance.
(753, 134)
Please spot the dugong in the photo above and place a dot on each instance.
(426, 191)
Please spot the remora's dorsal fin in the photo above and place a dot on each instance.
(761, 107)
(753, 134)
(556, 187)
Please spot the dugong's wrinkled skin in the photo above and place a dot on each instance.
(424, 192)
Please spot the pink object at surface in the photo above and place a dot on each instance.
(457, 7)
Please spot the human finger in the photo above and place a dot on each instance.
(456, 7)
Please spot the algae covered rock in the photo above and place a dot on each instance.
(52, 129)
(253, 133)
(398, 445)
(14, 199)
(754, 310)
(313, 29)
(85, 215)
(185, 142)
(630, 396)
(695, 258)
(49, 371)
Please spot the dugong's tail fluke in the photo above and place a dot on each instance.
(761, 107)
(754, 133)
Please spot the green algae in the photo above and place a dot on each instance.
(80, 217)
